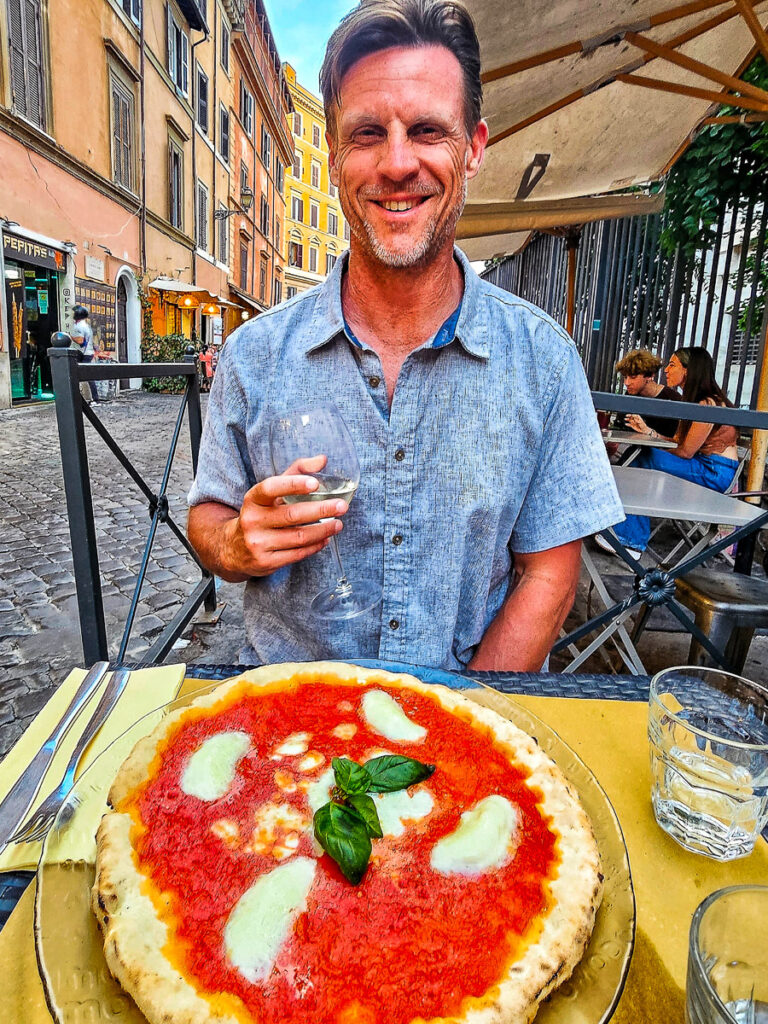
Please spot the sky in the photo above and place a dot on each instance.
(301, 29)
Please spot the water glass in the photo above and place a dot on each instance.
(708, 736)
(728, 958)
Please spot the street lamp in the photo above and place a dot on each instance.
(246, 202)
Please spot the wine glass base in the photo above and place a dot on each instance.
(337, 603)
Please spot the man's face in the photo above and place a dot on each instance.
(634, 383)
(400, 155)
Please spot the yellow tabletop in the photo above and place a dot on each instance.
(610, 736)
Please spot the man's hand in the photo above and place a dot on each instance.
(267, 533)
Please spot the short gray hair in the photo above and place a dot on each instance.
(376, 25)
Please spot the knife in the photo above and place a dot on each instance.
(18, 801)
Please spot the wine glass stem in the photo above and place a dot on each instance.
(343, 586)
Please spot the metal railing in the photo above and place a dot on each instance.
(71, 412)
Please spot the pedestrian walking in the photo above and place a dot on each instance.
(82, 340)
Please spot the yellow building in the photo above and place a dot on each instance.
(316, 232)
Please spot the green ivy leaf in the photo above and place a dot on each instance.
(343, 835)
(391, 772)
(366, 808)
(351, 777)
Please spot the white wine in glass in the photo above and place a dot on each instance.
(303, 434)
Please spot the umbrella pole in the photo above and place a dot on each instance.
(572, 244)
(760, 437)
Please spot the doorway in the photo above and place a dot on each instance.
(122, 327)
(33, 314)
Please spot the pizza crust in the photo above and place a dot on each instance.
(134, 935)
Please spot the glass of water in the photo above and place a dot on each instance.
(303, 434)
(708, 736)
(728, 958)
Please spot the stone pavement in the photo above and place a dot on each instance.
(39, 628)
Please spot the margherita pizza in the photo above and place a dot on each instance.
(218, 904)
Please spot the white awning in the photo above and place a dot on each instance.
(167, 284)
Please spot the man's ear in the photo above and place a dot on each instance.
(333, 173)
(476, 150)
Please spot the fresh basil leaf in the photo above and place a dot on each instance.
(391, 772)
(343, 835)
(351, 777)
(366, 808)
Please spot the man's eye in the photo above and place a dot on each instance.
(427, 131)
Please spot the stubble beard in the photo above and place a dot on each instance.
(425, 249)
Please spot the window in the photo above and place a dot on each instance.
(244, 264)
(266, 148)
(264, 217)
(243, 176)
(277, 292)
(346, 231)
(316, 136)
(296, 255)
(330, 261)
(333, 222)
(202, 217)
(246, 108)
(296, 172)
(133, 9)
(297, 209)
(202, 100)
(178, 54)
(263, 281)
(297, 128)
(315, 180)
(224, 132)
(122, 133)
(314, 215)
(222, 241)
(25, 35)
(333, 192)
(312, 259)
(279, 176)
(224, 53)
(290, 291)
(176, 184)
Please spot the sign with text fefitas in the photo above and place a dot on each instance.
(24, 250)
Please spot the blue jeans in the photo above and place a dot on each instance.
(712, 471)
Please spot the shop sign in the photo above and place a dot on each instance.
(94, 267)
(99, 300)
(25, 250)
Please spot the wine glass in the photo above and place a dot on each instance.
(320, 430)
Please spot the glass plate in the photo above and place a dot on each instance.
(77, 982)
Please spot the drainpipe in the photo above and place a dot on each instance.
(143, 213)
(193, 92)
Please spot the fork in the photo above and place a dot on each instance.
(39, 823)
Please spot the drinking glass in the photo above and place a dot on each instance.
(708, 736)
(728, 958)
(320, 430)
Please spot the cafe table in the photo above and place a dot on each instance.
(653, 493)
(601, 718)
(636, 441)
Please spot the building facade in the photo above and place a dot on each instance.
(315, 228)
(120, 172)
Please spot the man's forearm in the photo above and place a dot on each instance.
(209, 529)
(526, 626)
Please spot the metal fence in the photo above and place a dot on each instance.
(630, 292)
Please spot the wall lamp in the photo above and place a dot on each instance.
(246, 202)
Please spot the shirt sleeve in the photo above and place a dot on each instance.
(223, 470)
(572, 492)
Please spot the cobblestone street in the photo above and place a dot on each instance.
(39, 628)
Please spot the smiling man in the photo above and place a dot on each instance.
(482, 465)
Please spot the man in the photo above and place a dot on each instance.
(82, 340)
(482, 464)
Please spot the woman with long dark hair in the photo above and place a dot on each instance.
(705, 453)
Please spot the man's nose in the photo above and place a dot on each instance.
(398, 159)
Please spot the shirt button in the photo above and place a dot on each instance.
(394, 624)
(400, 454)
(374, 381)
(397, 539)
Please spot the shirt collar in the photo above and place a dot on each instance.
(469, 328)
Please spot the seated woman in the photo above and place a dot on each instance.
(638, 369)
(705, 452)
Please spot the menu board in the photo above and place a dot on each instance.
(99, 300)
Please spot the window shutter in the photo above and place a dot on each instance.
(34, 57)
(171, 42)
(184, 64)
(202, 217)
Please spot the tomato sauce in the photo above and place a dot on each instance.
(407, 942)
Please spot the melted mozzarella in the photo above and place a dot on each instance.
(313, 760)
(482, 841)
(264, 915)
(395, 808)
(211, 769)
(319, 791)
(298, 743)
(276, 831)
(384, 714)
(345, 731)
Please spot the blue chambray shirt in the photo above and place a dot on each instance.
(491, 446)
